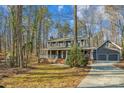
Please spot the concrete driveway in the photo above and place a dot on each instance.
(103, 75)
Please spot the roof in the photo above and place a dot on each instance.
(66, 39)
(108, 41)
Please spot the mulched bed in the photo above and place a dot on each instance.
(7, 72)
(120, 64)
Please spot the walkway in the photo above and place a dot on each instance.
(103, 75)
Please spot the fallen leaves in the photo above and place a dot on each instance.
(47, 76)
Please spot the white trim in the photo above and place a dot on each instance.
(116, 45)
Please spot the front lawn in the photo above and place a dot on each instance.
(46, 75)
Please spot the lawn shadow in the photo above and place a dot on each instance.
(49, 68)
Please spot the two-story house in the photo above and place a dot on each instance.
(58, 48)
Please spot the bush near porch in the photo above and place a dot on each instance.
(75, 57)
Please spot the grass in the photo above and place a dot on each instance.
(46, 76)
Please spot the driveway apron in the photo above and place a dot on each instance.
(103, 75)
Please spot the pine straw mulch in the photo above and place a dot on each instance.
(6, 72)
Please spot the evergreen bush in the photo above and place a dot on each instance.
(75, 57)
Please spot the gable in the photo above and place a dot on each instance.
(111, 45)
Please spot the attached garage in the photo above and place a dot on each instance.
(106, 53)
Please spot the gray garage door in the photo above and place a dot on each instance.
(102, 57)
(108, 57)
(113, 57)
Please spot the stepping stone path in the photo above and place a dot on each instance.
(103, 75)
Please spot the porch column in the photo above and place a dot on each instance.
(66, 54)
(62, 54)
(57, 54)
(91, 54)
(65, 44)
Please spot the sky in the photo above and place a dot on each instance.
(3, 10)
(61, 13)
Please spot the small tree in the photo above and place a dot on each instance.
(75, 57)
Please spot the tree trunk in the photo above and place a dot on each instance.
(19, 35)
(75, 25)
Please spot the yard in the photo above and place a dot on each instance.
(46, 75)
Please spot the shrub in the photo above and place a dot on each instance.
(75, 57)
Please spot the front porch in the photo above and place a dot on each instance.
(60, 55)
(57, 54)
